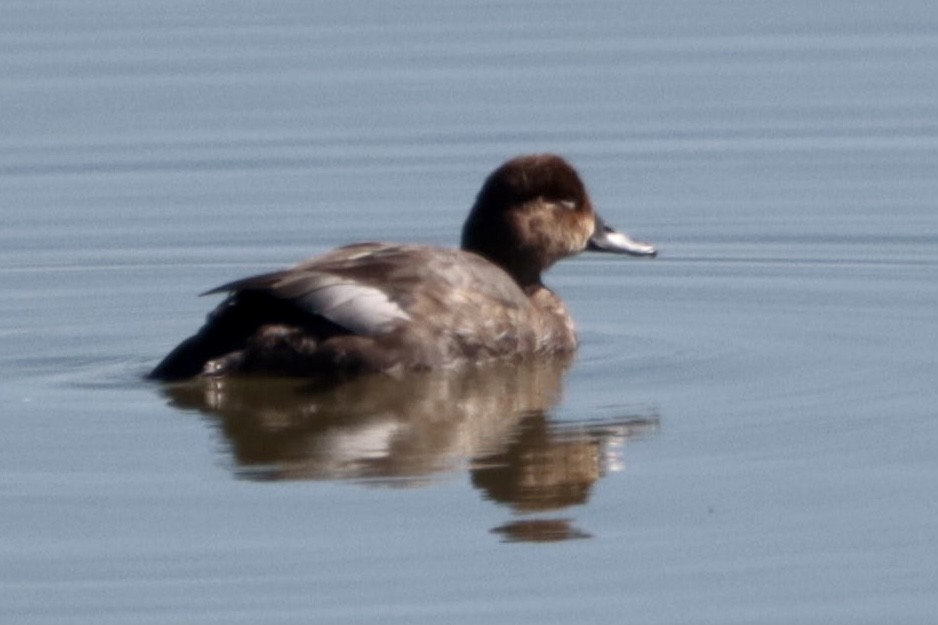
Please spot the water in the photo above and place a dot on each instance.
(747, 434)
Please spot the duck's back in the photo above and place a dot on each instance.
(371, 307)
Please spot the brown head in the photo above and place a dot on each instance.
(533, 211)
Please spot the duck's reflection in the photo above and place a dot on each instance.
(539, 531)
(387, 431)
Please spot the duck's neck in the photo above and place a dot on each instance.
(526, 276)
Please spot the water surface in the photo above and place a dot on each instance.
(746, 435)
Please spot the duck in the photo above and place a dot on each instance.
(374, 307)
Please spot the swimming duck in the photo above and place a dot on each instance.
(382, 307)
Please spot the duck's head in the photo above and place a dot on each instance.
(533, 211)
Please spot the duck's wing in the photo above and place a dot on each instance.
(316, 289)
(370, 288)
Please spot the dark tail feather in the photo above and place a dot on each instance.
(186, 361)
(226, 330)
(230, 327)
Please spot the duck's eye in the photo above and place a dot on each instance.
(568, 204)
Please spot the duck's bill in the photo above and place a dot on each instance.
(607, 239)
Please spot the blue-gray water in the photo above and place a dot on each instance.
(748, 434)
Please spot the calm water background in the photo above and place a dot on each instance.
(760, 402)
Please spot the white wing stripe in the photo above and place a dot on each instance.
(361, 309)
